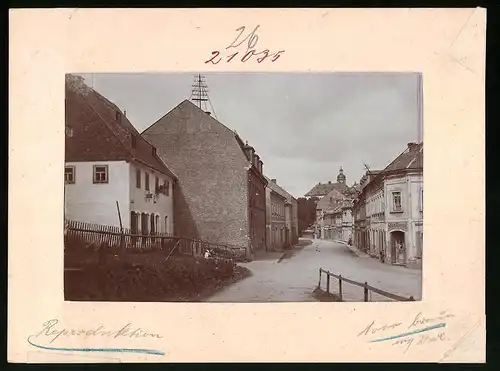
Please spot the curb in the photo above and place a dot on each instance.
(354, 250)
(281, 257)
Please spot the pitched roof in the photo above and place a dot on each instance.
(276, 188)
(101, 132)
(195, 119)
(411, 158)
(330, 200)
(325, 188)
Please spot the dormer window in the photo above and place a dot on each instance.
(117, 115)
(153, 151)
(69, 131)
(134, 141)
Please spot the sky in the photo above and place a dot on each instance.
(304, 126)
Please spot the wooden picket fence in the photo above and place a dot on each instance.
(101, 236)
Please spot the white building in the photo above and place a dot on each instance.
(112, 175)
(393, 201)
(281, 217)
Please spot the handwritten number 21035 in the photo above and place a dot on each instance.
(250, 50)
(264, 54)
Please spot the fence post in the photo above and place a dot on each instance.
(319, 283)
(366, 291)
(328, 282)
(340, 287)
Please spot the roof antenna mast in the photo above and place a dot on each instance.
(199, 94)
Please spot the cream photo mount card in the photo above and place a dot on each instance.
(212, 175)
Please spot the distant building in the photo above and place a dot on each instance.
(282, 212)
(360, 223)
(322, 189)
(221, 190)
(329, 194)
(389, 210)
(108, 162)
(276, 224)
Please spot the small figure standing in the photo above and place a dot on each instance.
(382, 255)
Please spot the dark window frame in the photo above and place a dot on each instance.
(95, 172)
(138, 178)
(146, 181)
(73, 174)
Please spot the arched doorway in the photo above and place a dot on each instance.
(398, 251)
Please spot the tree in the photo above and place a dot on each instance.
(306, 212)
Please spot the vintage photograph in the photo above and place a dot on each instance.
(243, 187)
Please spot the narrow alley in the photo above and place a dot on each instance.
(295, 278)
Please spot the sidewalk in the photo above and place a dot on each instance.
(280, 254)
(354, 249)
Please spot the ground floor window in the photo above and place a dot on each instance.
(419, 238)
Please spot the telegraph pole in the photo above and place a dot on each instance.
(199, 94)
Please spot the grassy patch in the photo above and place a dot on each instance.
(321, 295)
(180, 278)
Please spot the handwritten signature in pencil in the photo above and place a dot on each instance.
(251, 40)
(413, 332)
(51, 331)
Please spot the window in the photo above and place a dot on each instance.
(134, 141)
(166, 187)
(69, 131)
(138, 178)
(100, 173)
(146, 181)
(69, 175)
(396, 202)
(157, 184)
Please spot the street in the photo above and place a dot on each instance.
(294, 279)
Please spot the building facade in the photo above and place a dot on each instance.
(337, 196)
(112, 176)
(347, 221)
(220, 194)
(389, 210)
(283, 217)
(294, 220)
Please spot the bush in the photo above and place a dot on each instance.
(178, 278)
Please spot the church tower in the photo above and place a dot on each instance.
(341, 176)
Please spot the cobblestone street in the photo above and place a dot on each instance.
(295, 278)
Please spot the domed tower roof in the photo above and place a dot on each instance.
(341, 177)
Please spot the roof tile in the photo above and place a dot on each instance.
(101, 132)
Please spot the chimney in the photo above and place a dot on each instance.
(412, 146)
(261, 166)
(274, 181)
(249, 151)
(256, 160)
(208, 113)
(125, 113)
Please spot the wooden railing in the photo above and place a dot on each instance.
(366, 288)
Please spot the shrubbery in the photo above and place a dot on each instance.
(178, 278)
